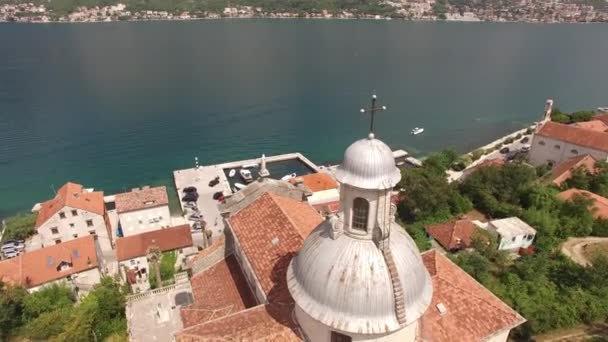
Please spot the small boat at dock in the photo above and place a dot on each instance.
(246, 175)
(239, 186)
(417, 130)
(249, 166)
(288, 177)
(231, 173)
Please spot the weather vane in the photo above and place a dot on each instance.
(372, 110)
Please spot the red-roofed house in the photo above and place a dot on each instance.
(554, 143)
(563, 171)
(600, 204)
(143, 210)
(462, 309)
(74, 262)
(496, 162)
(74, 212)
(453, 236)
(594, 125)
(325, 195)
(132, 252)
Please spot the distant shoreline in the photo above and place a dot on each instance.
(302, 18)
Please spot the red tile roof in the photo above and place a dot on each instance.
(575, 135)
(594, 125)
(270, 230)
(218, 291)
(144, 198)
(473, 313)
(41, 266)
(331, 207)
(74, 196)
(317, 181)
(261, 323)
(453, 235)
(600, 204)
(166, 239)
(563, 171)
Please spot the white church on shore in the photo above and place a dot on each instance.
(284, 273)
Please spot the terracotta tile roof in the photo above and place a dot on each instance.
(563, 171)
(575, 135)
(594, 125)
(270, 230)
(602, 117)
(332, 207)
(317, 181)
(41, 266)
(261, 323)
(600, 204)
(473, 313)
(453, 235)
(166, 239)
(215, 245)
(74, 196)
(144, 198)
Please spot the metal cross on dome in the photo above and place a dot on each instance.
(372, 110)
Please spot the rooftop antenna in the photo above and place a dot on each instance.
(372, 110)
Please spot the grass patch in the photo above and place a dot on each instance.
(594, 250)
(20, 226)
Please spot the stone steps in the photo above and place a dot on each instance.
(397, 288)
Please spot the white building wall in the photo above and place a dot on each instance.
(514, 242)
(71, 227)
(325, 196)
(137, 263)
(379, 207)
(83, 280)
(318, 332)
(544, 151)
(145, 220)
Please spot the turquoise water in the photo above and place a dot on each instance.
(117, 105)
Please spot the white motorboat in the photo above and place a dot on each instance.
(239, 186)
(288, 177)
(250, 166)
(235, 189)
(246, 175)
(417, 130)
(231, 173)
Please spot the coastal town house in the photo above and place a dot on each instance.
(513, 233)
(554, 143)
(599, 205)
(142, 210)
(286, 273)
(324, 194)
(134, 252)
(564, 170)
(74, 263)
(74, 212)
(453, 236)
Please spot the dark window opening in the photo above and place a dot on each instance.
(360, 213)
(337, 337)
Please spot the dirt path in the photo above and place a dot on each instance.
(574, 248)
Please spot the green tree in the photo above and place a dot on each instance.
(49, 298)
(47, 325)
(19, 226)
(11, 309)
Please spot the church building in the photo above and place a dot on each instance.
(284, 273)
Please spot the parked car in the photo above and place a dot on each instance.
(190, 197)
(215, 181)
(524, 140)
(196, 226)
(525, 148)
(190, 204)
(189, 189)
(195, 217)
(217, 195)
(11, 254)
(504, 150)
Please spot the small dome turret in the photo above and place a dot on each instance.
(368, 164)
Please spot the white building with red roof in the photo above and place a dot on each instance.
(143, 210)
(554, 143)
(74, 263)
(74, 212)
(286, 274)
(325, 194)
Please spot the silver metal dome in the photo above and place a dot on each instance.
(368, 164)
(345, 282)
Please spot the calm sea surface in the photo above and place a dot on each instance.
(116, 105)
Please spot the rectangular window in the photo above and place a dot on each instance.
(71, 225)
(74, 213)
(91, 232)
(54, 230)
(89, 223)
(62, 215)
(75, 236)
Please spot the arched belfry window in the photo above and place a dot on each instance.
(360, 213)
